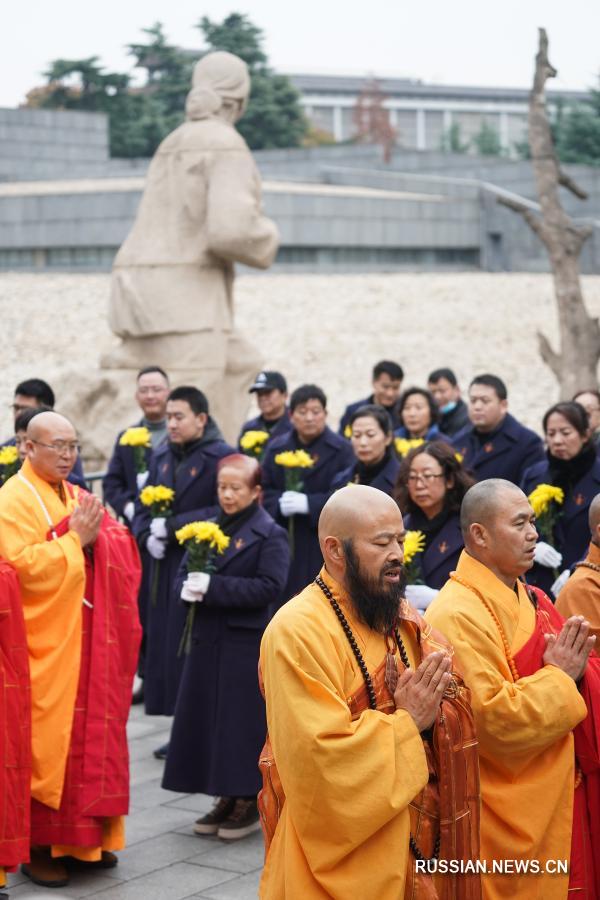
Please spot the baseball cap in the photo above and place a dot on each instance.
(269, 381)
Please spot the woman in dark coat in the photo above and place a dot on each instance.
(371, 438)
(573, 465)
(429, 491)
(220, 726)
(419, 414)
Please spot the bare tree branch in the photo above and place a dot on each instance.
(550, 357)
(567, 182)
(532, 220)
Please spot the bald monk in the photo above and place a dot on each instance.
(522, 663)
(355, 685)
(79, 573)
(581, 593)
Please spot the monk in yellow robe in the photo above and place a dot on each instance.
(78, 572)
(581, 594)
(355, 683)
(525, 715)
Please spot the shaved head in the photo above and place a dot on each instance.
(594, 514)
(351, 508)
(51, 446)
(483, 501)
(46, 424)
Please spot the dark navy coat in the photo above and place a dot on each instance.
(368, 401)
(433, 434)
(119, 486)
(194, 479)
(258, 424)
(452, 422)
(383, 481)
(572, 531)
(220, 723)
(441, 556)
(332, 454)
(507, 453)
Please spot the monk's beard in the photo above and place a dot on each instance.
(376, 601)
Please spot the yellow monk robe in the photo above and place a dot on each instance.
(581, 594)
(52, 579)
(344, 828)
(524, 728)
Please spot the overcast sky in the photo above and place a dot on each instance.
(465, 42)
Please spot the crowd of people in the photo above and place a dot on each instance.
(419, 497)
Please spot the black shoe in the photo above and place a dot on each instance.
(45, 870)
(138, 696)
(108, 860)
(241, 822)
(209, 824)
(161, 752)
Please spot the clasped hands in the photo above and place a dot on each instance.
(86, 518)
(420, 691)
(570, 649)
(293, 503)
(195, 587)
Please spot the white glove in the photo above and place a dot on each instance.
(420, 596)
(292, 503)
(547, 556)
(560, 582)
(141, 478)
(158, 528)
(129, 510)
(155, 547)
(195, 587)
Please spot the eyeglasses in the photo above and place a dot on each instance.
(425, 477)
(61, 448)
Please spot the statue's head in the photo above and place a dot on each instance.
(220, 88)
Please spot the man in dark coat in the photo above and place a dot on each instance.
(494, 444)
(387, 384)
(188, 465)
(331, 454)
(454, 414)
(220, 723)
(271, 395)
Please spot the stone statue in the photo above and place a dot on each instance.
(171, 297)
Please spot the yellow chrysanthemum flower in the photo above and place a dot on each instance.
(458, 457)
(156, 493)
(348, 431)
(405, 445)
(204, 533)
(8, 455)
(135, 437)
(543, 495)
(254, 440)
(295, 459)
(414, 543)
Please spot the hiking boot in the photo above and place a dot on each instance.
(241, 822)
(209, 824)
(44, 870)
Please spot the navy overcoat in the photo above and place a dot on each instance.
(441, 556)
(506, 453)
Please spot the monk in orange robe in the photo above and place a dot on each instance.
(79, 574)
(15, 732)
(523, 664)
(581, 594)
(370, 769)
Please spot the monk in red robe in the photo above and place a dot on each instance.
(79, 574)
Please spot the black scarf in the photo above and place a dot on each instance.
(430, 527)
(231, 524)
(366, 474)
(565, 473)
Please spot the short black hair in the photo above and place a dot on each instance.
(41, 390)
(307, 392)
(575, 414)
(25, 417)
(492, 381)
(387, 367)
(148, 370)
(433, 407)
(191, 395)
(438, 374)
(374, 411)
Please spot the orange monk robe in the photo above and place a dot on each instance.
(524, 728)
(581, 594)
(52, 579)
(344, 828)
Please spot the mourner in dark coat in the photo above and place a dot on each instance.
(188, 465)
(495, 445)
(220, 725)
(430, 488)
(454, 414)
(331, 454)
(271, 396)
(387, 384)
(419, 416)
(375, 462)
(572, 465)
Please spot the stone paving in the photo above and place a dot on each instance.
(163, 860)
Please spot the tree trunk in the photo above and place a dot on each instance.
(575, 364)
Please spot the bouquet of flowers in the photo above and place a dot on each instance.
(10, 462)
(293, 461)
(414, 543)
(159, 499)
(254, 443)
(405, 445)
(546, 500)
(202, 540)
(139, 440)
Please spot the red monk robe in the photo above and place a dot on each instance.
(584, 871)
(15, 726)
